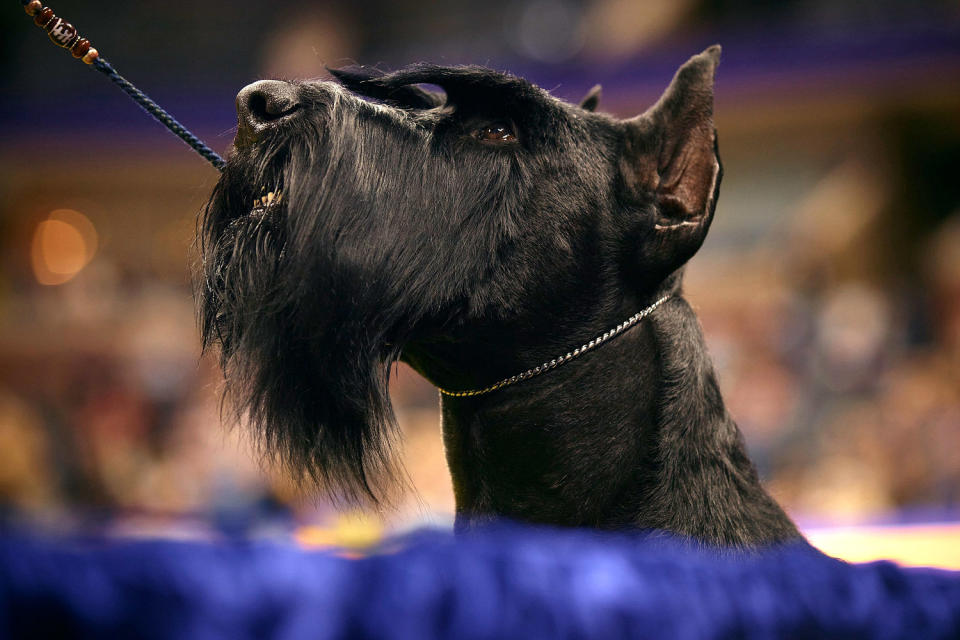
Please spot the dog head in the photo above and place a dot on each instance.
(370, 219)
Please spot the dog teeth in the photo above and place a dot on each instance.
(269, 199)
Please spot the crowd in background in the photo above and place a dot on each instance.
(829, 288)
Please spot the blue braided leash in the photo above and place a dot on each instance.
(64, 34)
(160, 114)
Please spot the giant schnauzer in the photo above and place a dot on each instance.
(523, 254)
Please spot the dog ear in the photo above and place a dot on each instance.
(591, 101)
(670, 152)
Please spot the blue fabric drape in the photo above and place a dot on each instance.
(510, 582)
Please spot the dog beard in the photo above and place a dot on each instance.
(378, 239)
(307, 328)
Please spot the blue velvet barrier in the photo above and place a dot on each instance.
(504, 583)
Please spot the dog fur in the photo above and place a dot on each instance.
(475, 233)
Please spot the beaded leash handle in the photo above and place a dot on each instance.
(65, 35)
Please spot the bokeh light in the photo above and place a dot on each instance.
(63, 244)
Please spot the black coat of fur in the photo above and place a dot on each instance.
(403, 234)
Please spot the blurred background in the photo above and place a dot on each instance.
(829, 286)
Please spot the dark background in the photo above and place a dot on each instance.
(829, 287)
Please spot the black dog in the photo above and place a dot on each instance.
(475, 234)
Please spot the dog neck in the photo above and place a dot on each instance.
(561, 359)
(630, 435)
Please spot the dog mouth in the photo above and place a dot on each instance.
(267, 201)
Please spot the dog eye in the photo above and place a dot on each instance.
(495, 132)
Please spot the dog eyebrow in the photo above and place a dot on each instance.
(369, 83)
(461, 84)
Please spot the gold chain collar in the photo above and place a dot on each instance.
(553, 364)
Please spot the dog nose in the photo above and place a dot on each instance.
(263, 104)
